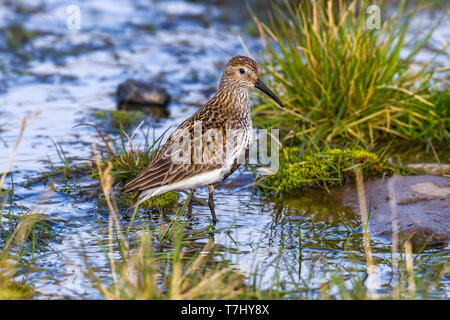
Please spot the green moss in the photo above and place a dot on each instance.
(148, 27)
(335, 151)
(165, 200)
(16, 36)
(322, 169)
(117, 118)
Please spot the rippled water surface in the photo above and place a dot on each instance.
(66, 75)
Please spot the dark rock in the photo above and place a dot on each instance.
(419, 204)
(141, 93)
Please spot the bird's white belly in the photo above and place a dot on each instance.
(199, 180)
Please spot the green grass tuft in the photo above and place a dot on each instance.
(342, 81)
(331, 167)
(126, 162)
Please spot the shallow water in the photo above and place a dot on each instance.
(183, 45)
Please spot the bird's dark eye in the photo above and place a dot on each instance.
(241, 70)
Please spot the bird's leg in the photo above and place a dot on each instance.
(211, 202)
(191, 198)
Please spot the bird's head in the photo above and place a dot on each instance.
(242, 72)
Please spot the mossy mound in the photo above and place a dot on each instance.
(321, 169)
(165, 200)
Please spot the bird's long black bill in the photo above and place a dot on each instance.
(263, 88)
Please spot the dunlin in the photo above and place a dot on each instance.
(187, 160)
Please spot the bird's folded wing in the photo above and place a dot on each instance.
(177, 161)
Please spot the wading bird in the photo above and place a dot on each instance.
(192, 162)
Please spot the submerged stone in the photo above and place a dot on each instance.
(141, 93)
(419, 204)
